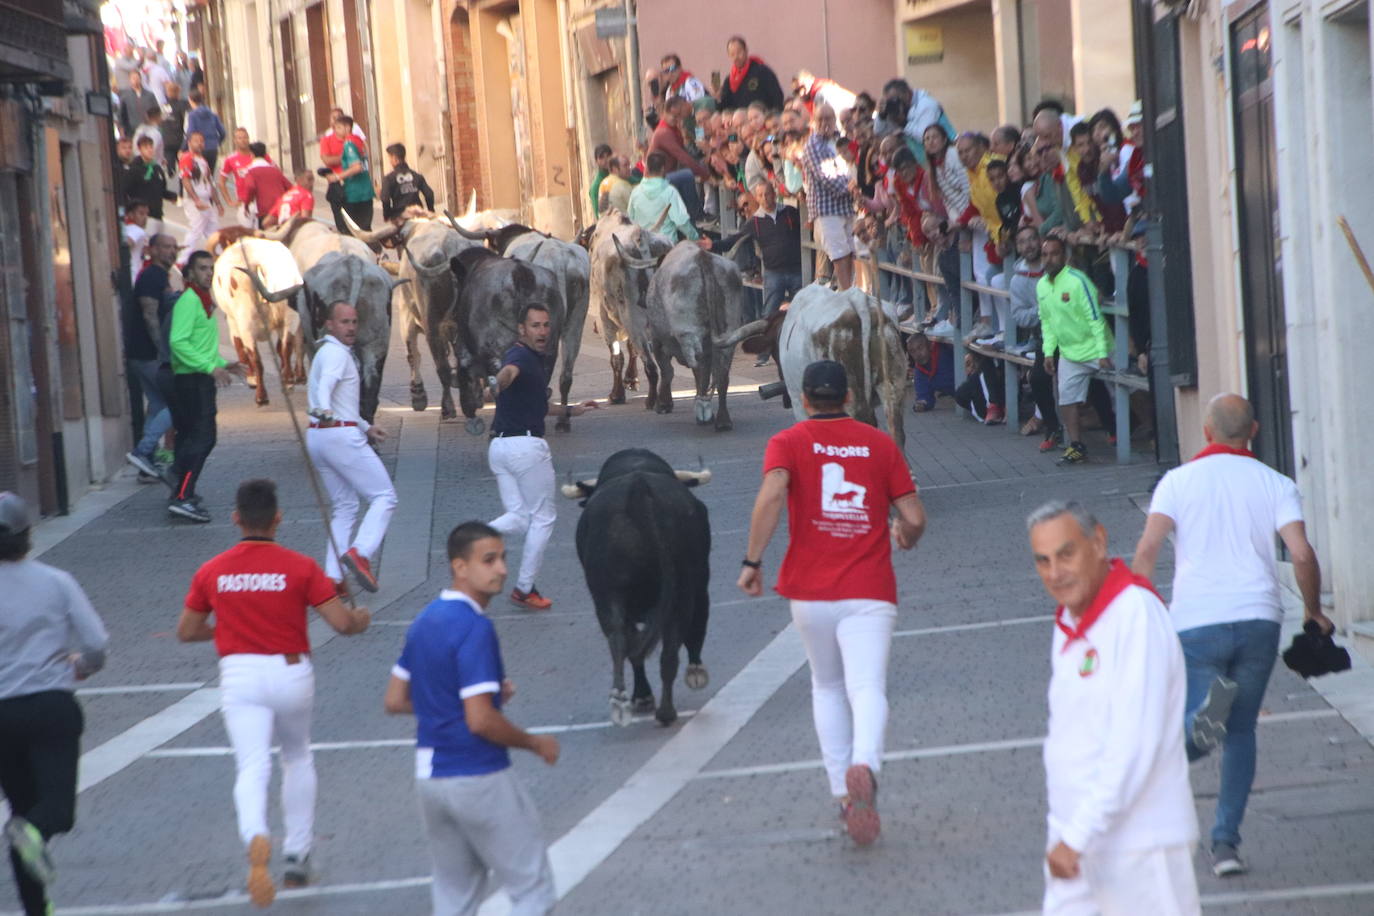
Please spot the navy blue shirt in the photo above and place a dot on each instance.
(151, 284)
(524, 404)
(451, 653)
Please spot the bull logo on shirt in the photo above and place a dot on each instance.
(840, 496)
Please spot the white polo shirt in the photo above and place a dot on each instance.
(1116, 771)
(335, 383)
(1226, 510)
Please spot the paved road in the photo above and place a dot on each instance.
(726, 812)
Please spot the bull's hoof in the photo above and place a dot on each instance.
(475, 426)
(251, 382)
(418, 400)
(616, 398)
(697, 677)
(262, 403)
(724, 425)
(663, 407)
(643, 704)
(622, 711)
(666, 715)
(563, 426)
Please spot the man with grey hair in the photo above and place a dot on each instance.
(1224, 508)
(1121, 818)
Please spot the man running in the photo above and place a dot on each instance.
(259, 593)
(199, 199)
(235, 166)
(50, 638)
(478, 816)
(403, 187)
(340, 443)
(838, 479)
(1121, 816)
(197, 370)
(519, 456)
(1225, 506)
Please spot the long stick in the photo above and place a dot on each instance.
(1359, 252)
(320, 501)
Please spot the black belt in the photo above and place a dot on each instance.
(523, 432)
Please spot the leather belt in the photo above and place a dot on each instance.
(294, 658)
(331, 424)
(523, 432)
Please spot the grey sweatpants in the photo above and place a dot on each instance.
(482, 824)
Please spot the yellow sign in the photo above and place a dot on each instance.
(925, 44)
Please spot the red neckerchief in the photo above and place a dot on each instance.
(205, 301)
(1119, 578)
(1216, 448)
(737, 74)
(934, 363)
(682, 77)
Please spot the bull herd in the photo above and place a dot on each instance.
(462, 284)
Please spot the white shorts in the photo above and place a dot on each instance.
(835, 236)
(1073, 380)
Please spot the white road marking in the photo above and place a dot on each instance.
(234, 900)
(740, 601)
(222, 751)
(138, 688)
(415, 465)
(960, 627)
(956, 750)
(681, 758)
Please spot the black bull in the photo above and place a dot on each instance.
(644, 542)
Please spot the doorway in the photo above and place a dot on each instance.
(1257, 198)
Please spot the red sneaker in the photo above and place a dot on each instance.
(861, 814)
(361, 569)
(996, 415)
(530, 599)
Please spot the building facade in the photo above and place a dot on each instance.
(64, 403)
(1277, 103)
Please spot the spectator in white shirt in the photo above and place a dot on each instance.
(1225, 507)
(1121, 816)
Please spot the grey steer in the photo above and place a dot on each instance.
(617, 291)
(482, 324)
(429, 245)
(572, 266)
(644, 542)
(692, 308)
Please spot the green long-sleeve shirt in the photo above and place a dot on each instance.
(1070, 319)
(194, 337)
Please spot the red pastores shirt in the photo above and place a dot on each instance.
(843, 476)
(260, 592)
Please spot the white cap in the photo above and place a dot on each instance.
(14, 514)
(1136, 114)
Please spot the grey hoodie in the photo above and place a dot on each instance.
(45, 619)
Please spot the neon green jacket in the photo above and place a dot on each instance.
(1071, 320)
(194, 337)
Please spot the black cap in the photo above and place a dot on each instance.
(824, 380)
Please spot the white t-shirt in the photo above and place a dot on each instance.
(1226, 511)
(136, 237)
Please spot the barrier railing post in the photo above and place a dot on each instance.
(965, 315)
(808, 257)
(1011, 375)
(1121, 269)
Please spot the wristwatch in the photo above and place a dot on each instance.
(752, 564)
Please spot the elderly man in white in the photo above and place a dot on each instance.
(339, 442)
(1121, 820)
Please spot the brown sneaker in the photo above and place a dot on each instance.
(530, 599)
(260, 888)
(861, 814)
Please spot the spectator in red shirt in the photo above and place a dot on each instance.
(838, 479)
(683, 167)
(299, 201)
(260, 593)
(263, 184)
(331, 152)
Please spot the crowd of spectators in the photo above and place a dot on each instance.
(888, 178)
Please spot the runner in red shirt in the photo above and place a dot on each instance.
(263, 183)
(236, 166)
(299, 201)
(259, 593)
(839, 478)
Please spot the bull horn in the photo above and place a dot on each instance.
(472, 205)
(578, 489)
(265, 293)
(467, 233)
(694, 478)
(659, 222)
(632, 262)
(374, 237)
(740, 333)
(734, 249)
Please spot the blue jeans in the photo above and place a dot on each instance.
(158, 419)
(779, 287)
(686, 184)
(1243, 652)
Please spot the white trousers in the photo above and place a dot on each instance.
(1158, 881)
(351, 469)
(200, 225)
(847, 645)
(524, 474)
(260, 694)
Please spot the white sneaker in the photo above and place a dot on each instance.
(940, 329)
